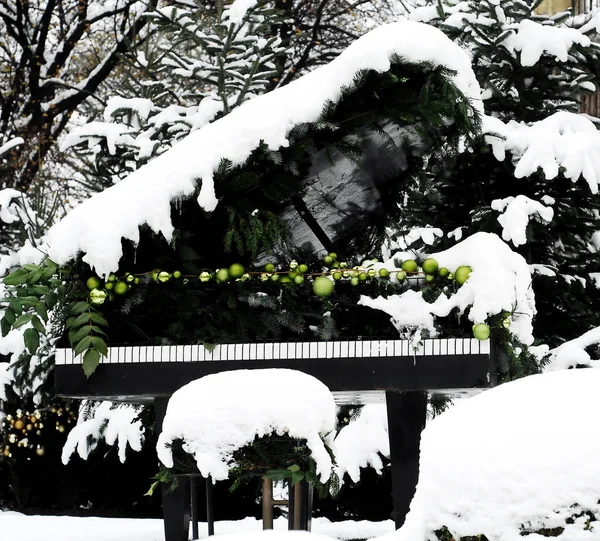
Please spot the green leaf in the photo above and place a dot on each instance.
(49, 263)
(152, 488)
(49, 273)
(84, 344)
(9, 316)
(31, 268)
(5, 327)
(97, 318)
(81, 319)
(79, 307)
(40, 290)
(76, 336)
(32, 340)
(40, 308)
(297, 476)
(21, 320)
(51, 299)
(35, 277)
(38, 325)
(294, 468)
(90, 361)
(16, 306)
(16, 278)
(277, 475)
(99, 344)
(209, 346)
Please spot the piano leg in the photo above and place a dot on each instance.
(175, 503)
(406, 419)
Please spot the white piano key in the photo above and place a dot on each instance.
(127, 354)
(406, 349)
(322, 350)
(269, 351)
(260, 352)
(428, 347)
(344, 349)
(459, 346)
(485, 346)
(329, 345)
(451, 346)
(60, 357)
(436, 347)
(283, 350)
(444, 347)
(313, 350)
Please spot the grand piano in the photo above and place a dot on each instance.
(397, 372)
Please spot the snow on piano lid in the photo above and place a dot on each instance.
(97, 226)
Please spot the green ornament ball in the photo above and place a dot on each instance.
(97, 296)
(120, 288)
(462, 274)
(93, 282)
(163, 276)
(276, 277)
(176, 274)
(269, 267)
(205, 276)
(284, 279)
(323, 287)
(109, 285)
(112, 277)
(384, 273)
(363, 276)
(222, 275)
(333, 255)
(400, 276)
(430, 266)
(299, 280)
(481, 331)
(136, 281)
(236, 270)
(131, 278)
(328, 260)
(443, 272)
(354, 281)
(410, 265)
(302, 268)
(429, 278)
(337, 275)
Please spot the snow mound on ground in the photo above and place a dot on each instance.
(359, 443)
(97, 225)
(272, 535)
(500, 281)
(522, 455)
(217, 414)
(565, 142)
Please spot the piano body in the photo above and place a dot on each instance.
(356, 371)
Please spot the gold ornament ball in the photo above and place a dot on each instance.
(19, 425)
(40, 451)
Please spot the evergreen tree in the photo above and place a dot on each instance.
(530, 67)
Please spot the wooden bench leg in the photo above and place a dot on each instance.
(406, 419)
(175, 503)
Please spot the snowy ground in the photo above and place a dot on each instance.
(18, 527)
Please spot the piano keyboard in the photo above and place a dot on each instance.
(284, 351)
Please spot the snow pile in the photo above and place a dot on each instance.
(573, 353)
(9, 211)
(6, 379)
(359, 444)
(533, 40)
(500, 281)
(12, 143)
(517, 211)
(114, 424)
(272, 535)
(236, 12)
(97, 226)
(519, 457)
(563, 142)
(220, 413)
